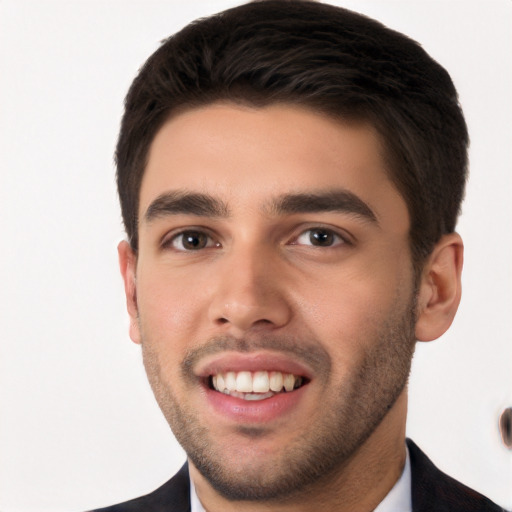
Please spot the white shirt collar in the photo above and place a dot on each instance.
(398, 498)
(195, 504)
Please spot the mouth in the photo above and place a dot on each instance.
(255, 385)
(254, 388)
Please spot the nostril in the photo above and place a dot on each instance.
(263, 321)
(244, 322)
(243, 315)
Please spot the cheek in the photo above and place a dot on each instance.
(347, 310)
(341, 317)
(342, 300)
(169, 308)
(168, 314)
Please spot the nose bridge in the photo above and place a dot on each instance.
(249, 291)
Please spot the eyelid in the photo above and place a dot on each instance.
(344, 236)
(168, 239)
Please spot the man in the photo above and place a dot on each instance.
(290, 176)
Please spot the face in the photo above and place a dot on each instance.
(272, 293)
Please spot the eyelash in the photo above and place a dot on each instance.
(169, 242)
(335, 238)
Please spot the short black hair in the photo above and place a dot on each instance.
(326, 58)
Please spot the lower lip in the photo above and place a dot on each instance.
(254, 411)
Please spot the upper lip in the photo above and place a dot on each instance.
(261, 360)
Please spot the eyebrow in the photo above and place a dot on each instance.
(341, 201)
(185, 203)
(180, 202)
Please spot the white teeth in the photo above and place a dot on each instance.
(289, 382)
(220, 382)
(255, 386)
(257, 396)
(244, 382)
(230, 381)
(260, 382)
(276, 381)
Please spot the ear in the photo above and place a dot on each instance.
(128, 265)
(440, 288)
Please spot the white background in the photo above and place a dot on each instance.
(79, 427)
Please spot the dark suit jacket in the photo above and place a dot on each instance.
(432, 491)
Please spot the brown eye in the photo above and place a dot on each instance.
(191, 241)
(320, 237)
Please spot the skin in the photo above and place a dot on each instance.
(347, 310)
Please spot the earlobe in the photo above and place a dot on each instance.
(440, 288)
(127, 265)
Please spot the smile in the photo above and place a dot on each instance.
(258, 385)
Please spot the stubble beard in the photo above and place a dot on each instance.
(349, 415)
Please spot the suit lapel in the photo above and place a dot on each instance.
(175, 494)
(434, 491)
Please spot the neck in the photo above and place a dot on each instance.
(360, 484)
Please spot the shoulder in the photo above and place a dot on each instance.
(173, 496)
(434, 490)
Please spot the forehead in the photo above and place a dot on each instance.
(247, 156)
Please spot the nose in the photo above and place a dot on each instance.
(250, 293)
